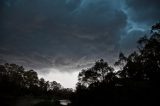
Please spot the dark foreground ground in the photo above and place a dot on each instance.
(28, 101)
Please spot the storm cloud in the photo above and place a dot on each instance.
(144, 11)
(69, 34)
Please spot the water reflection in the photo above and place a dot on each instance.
(64, 102)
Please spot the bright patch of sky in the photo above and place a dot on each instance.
(66, 79)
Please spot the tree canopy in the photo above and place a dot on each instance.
(97, 73)
(16, 81)
(135, 83)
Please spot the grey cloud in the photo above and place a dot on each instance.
(144, 11)
(141, 15)
(129, 42)
(60, 33)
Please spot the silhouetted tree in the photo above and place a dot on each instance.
(16, 81)
(143, 64)
(136, 82)
(95, 74)
(30, 78)
(55, 86)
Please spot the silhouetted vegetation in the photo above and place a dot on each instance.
(135, 83)
(16, 82)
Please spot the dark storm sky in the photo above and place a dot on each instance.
(71, 34)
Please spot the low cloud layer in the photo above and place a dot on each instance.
(71, 34)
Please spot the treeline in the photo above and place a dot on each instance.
(15, 81)
(137, 82)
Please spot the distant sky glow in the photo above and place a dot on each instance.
(58, 38)
(67, 80)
